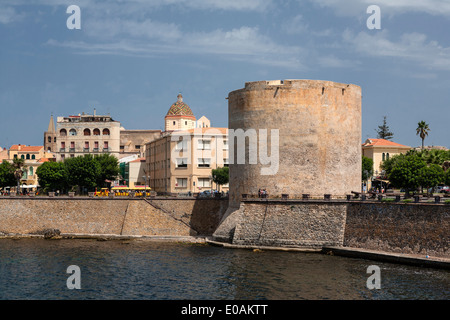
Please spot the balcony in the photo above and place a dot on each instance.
(95, 150)
(85, 149)
(62, 150)
(105, 149)
(71, 149)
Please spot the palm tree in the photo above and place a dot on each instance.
(422, 131)
(19, 168)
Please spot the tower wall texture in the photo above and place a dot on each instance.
(319, 125)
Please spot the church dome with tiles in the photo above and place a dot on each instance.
(180, 108)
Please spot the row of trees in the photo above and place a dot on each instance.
(418, 169)
(84, 172)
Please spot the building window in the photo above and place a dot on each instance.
(105, 146)
(22, 157)
(181, 183)
(384, 156)
(30, 171)
(49, 139)
(204, 163)
(182, 163)
(225, 144)
(106, 132)
(185, 123)
(28, 156)
(181, 145)
(72, 132)
(33, 157)
(63, 156)
(96, 146)
(54, 140)
(174, 123)
(87, 132)
(204, 182)
(204, 144)
(226, 163)
(387, 156)
(86, 146)
(96, 132)
(63, 133)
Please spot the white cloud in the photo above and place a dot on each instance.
(241, 44)
(234, 5)
(390, 7)
(9, 15)
(147, 29)
(295, 25)
(411, 47)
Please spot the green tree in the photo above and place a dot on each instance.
(221, 176)
(367, 168)
(405, 172)
(109, 169)
(447, 178)
(422, 131)
(383, 131)
(83, 171)
(7, 177)
(52, 176)
(434, 156)
(430, 176)
(389, 164)
(19, 169)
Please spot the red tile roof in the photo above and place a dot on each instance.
(25, 148)
(382, 143)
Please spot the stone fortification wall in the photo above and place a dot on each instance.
(397, 228)
(391, 227)
(28, 216)
(111, 216)
(308, 225)
(202, 215)
(400, 228)
(319, 125)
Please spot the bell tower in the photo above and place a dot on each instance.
(50, 136)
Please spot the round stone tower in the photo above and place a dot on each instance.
(314, 126)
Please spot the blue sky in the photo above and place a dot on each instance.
(131, 58)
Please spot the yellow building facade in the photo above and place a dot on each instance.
(380, 150)
(33, 157)
(182, 159)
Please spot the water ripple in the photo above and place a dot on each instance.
(36, 269)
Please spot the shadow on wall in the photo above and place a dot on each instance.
(201, 215)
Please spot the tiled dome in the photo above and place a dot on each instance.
(180, 108)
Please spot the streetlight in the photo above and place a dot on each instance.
(145, 187)
(211, 183)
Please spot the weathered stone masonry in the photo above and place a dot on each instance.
(391, 227)
(400, 228)
(111, 216)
